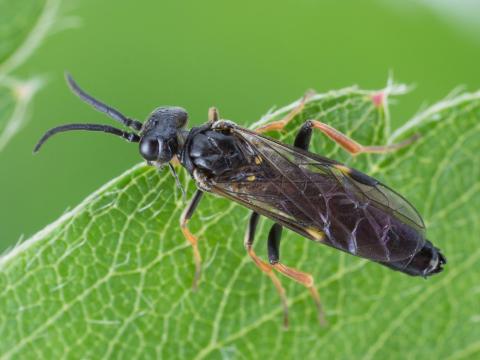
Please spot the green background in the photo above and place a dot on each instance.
(242, 57)
(65, 294)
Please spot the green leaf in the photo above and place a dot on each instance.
(112, 278)
(23, 27)
(15, 98)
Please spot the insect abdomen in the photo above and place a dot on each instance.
(428, 261)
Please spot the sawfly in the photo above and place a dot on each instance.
(314, 196)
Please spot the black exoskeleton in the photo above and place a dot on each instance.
(318, 198)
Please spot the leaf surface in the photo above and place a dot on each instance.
(23, 27)
(112, 278)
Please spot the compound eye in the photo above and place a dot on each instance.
(149, 149)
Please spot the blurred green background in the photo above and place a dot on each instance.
(243, 57)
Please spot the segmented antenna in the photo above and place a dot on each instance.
(100, 106)
(131, 137)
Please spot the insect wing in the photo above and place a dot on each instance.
(323, 200)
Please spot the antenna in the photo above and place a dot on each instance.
(131, 137)
(100, 106)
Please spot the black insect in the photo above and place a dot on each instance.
(317, 197)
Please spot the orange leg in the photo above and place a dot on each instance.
(349, 144)
(280, 124)
(175, 162)
(192, 239)
(306, 280)
(265, 267)
(301, 277)
(213, 114)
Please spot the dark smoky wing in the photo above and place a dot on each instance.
(323, 200)
(367, 190)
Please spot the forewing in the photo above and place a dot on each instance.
(323, 200)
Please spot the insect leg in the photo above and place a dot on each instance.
(302, 141)
(213, 114)
(303, 278)
(262, 265)
(280, 124)
(192, 239)
(349, 144)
